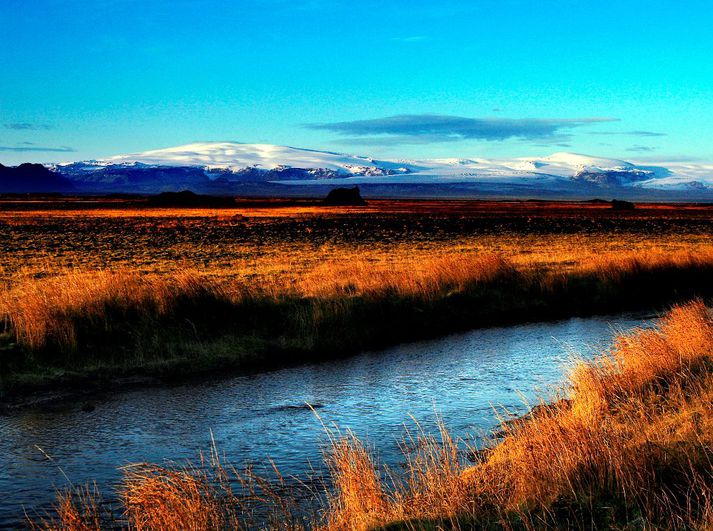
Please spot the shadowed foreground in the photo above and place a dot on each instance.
(627, 446)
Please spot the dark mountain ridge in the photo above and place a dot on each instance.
(32, 178)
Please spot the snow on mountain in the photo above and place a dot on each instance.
(235, 156)
(230, 162)
(575, 160)
(679, 176)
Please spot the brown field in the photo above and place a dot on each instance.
(280, 244)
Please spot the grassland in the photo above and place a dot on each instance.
(625, 445)
(93, 290)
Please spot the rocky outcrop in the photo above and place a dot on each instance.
(345, 197)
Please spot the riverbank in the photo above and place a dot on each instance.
(631, 446)
(627, 445)
(93, 330)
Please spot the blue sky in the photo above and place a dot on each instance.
(497, 78)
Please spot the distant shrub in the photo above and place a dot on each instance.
(617, 204)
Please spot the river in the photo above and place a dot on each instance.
(256, 417)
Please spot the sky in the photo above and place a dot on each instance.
(86, 79)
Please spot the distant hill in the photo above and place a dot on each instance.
(32, 178)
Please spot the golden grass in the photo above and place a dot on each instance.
(40, 311)
(47, 308)
(177, 499)
(632, 442)
(76, 510)
(359, 494)
(629, 447)
(208, 495)
(58, 259)
(424, 278)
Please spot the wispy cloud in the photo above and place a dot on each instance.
(421, 128)
(394, 140)
(29, 147)
(648, 134)
(26, 126)
(641, 149)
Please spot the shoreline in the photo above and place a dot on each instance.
(93, 386)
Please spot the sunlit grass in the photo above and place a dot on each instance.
(42, 310)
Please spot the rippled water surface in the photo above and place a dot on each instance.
(260, 416)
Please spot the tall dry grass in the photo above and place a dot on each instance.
(75, 510)
(424, 279)
(630, 264)
(208, 495)
(40, 312)
(359, 494)
(47, 311)
(177, 499)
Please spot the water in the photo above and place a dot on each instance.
(252, 418)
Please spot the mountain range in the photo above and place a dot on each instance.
(233, 168)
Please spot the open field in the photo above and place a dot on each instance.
(625, 445)
(94, 289)
(264, 243)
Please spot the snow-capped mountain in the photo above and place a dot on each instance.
(236, 157)
(226, 166)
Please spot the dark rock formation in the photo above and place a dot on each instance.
(344, 197)
(616, 204)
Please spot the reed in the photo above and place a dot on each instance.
(358, 495)
(76, 510)
(180, 498)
